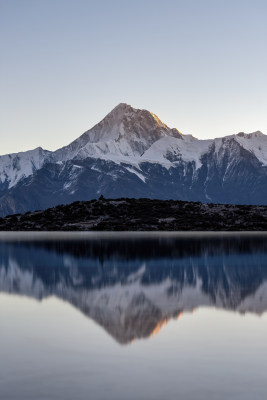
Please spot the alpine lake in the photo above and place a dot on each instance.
(120, 316)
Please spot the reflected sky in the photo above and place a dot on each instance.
(133, 318)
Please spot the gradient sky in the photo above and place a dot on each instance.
(199, 65)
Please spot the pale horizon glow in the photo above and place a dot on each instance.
(65, 64)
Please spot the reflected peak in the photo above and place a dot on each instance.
(132, 288)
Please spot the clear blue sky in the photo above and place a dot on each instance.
(200, 65)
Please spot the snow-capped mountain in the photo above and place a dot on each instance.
(133, 288)
(125, 134)
(132, 153)
(17, 166)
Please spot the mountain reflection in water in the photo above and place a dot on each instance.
(132, 286)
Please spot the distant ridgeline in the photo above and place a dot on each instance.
(132, 153)
(140, 215)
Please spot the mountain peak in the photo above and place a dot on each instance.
(251, 135)
(131, 152)
(122, 106)
(140, 115)
(117, 114)
(124, 132)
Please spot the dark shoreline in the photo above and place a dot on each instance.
(140, 215)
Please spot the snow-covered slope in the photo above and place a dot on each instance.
(171, 150)
(256, 143)
(128, 135)
(14, 167)
(123, 135)
(133, 153)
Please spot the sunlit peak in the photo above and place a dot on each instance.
(159, 122)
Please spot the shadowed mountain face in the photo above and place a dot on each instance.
(132, 153)
(132, 286)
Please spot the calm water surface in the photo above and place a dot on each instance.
(141, 316)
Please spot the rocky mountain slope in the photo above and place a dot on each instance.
(132, 153)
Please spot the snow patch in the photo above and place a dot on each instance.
(133, 171)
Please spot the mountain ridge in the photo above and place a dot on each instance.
(132, 153)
